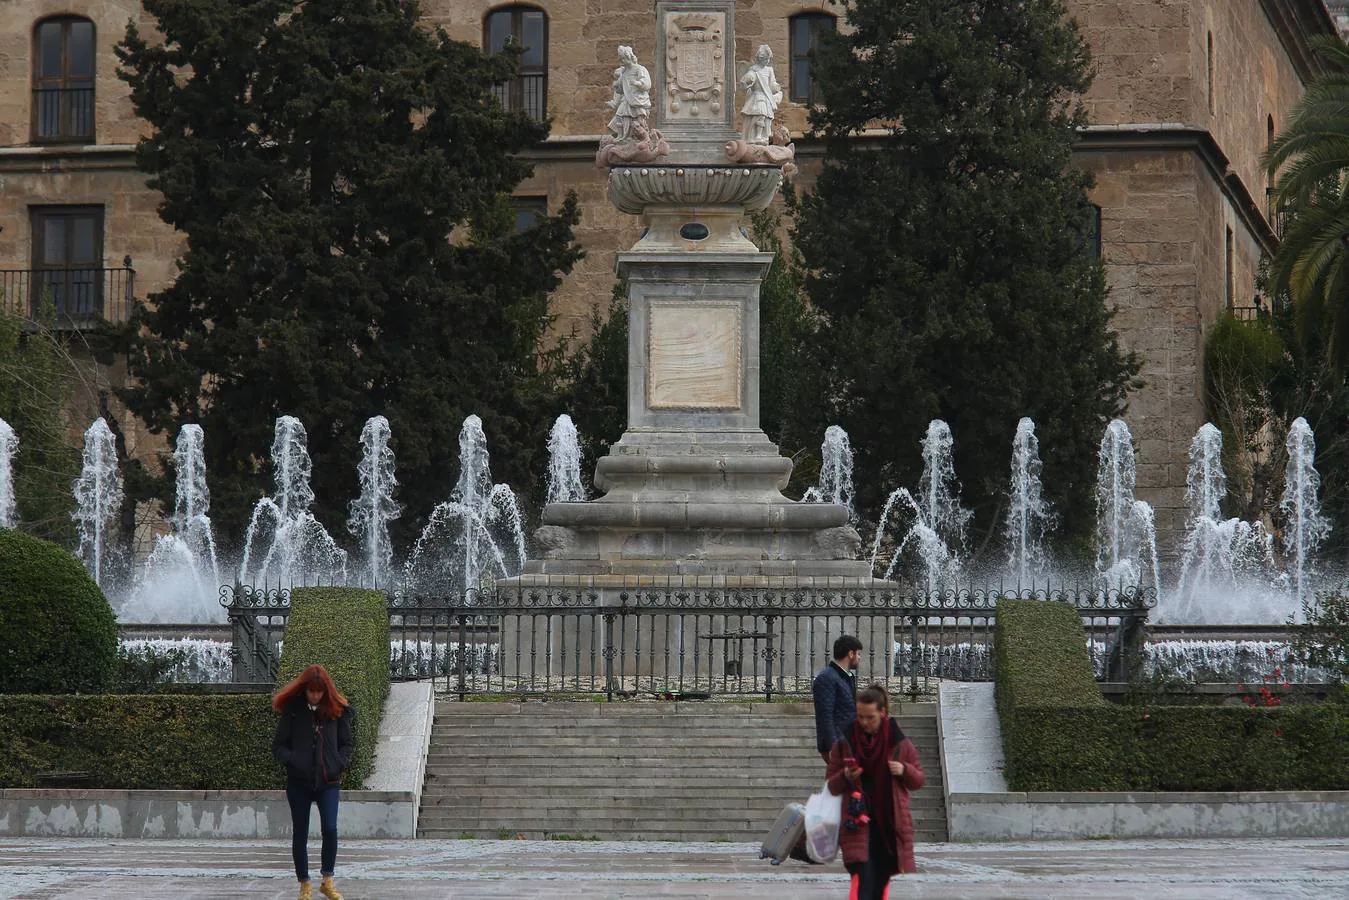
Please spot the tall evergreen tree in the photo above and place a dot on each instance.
(340, 174)
(37, 379)
(949, 257)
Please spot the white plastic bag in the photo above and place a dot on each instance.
(824, 816)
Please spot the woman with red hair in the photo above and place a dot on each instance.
(313, 738)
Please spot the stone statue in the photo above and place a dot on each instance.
(763, 142)
(764, 97)
(631, 139)
(632, 95)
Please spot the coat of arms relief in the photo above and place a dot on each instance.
(695, 72)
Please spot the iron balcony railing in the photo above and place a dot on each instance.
(74, 297)
(525, 93)
(63, 114)
(691, 641)
(1276, 214)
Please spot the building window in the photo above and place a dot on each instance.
(1094, 232)
(1229, 272)
(528, 211)
(63, 80)
(805, 31)
(527, 29)
(68, 262)
(1212, 106)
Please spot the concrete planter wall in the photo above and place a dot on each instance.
(1062, 816)
(193, 814)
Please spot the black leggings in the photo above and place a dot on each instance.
(871, 879)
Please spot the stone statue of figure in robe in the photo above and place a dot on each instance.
(764, 96)
(631, 102)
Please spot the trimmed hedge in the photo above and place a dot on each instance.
(58, 634)
(346, 630)
(1059, 734)
(221, 742)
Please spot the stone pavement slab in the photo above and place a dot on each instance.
(1232, 869)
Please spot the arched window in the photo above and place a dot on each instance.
(1212, 104)
(526, 28)
(804, 36)
(63, 80)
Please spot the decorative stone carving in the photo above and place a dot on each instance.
(763, 142)
(635, 190)
(631, 138)
(554, 540)
(694, 356)
(841, 542)
(695, 50)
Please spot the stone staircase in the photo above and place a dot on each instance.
(637, 771)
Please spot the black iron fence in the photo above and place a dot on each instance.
(689, 641)
(73, 298)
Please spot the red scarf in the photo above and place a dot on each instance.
(873, 753)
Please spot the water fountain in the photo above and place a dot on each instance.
(9, 446)
(936, 520)
(1226, 568)
(284, 543)
(835, 483)
(477, 536)
(98, 499)
(375, 508)
(1306, 528)
(180, 579)
(1126, 536)
(564, 463)
(1029, 516)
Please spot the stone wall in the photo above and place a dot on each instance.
(1165, 212)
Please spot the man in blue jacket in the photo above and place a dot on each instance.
(834, 689)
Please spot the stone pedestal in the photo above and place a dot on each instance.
(693, 490)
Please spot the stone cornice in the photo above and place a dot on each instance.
(1295, 21)
(1184, 139)
(41, 159)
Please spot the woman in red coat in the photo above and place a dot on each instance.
(874, 767)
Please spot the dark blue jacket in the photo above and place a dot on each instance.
(835, 705)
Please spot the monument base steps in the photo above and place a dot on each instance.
(687, 771)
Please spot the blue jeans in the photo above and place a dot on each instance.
(301, 796)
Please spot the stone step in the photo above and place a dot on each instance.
(570, 708)
(637, 771)
(647, 767)
(628, 830)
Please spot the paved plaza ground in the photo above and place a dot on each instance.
(422, 870)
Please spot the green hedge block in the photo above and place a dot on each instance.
(58, 635)
(153, 742)
(345, 630)
(1059, 734)
(1073, 749)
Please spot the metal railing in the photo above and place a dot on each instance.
(1276, 213)
(78, 297)
(63, 114)
(524, 93)
(691, 641)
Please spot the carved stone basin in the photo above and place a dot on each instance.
(635, 189)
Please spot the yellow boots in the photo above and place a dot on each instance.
(328, 889)
(306, 891)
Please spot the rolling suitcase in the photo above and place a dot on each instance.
(788, 832)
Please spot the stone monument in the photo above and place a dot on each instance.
(693, 490)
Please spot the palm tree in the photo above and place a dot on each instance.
(1311, 157)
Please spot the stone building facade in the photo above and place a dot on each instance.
(1188, 94)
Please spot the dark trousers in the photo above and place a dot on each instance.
(301, 797)
(871, 880)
